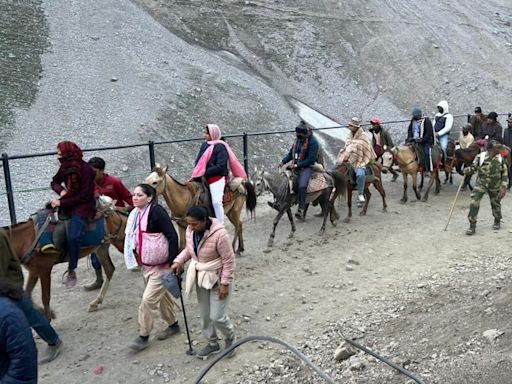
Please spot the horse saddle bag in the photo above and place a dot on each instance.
(54, 236)
(202, 195)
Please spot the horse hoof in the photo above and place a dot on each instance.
(384, 209)
(321, 232)
(270, 244)
(267, 250)
(92, 307)
(346, 220)
(424, 199)
(334, 223)
(362, 213)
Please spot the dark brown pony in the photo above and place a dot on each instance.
(344, 169)
(40, 264)
(463, 157)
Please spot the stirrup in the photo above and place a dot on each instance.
(48, 247)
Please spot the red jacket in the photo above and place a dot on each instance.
(113, 187)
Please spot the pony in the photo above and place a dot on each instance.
(40, 264)
(344, 168)
(406, 159)
(180, 197)
(463, 157)
(279, 185)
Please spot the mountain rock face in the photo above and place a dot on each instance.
(106, 73)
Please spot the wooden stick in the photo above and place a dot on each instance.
(454, 201)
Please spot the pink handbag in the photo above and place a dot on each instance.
(154, 248)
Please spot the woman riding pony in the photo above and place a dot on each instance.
(74, 182)
(212, 163)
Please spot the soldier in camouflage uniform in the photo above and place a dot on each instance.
(492, 179)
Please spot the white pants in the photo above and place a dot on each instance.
(217, 193)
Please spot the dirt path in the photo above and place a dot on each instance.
(404, 275)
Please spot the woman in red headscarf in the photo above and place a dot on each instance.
(74, 182)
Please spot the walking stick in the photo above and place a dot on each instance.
(454, 201)
(190, 349)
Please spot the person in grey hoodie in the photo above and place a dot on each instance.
(443, 123)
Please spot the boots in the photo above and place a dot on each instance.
(95, 284)
(496, 224)
(472, 229)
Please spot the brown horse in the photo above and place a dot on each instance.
(407, 161)
(40, 264)
(180, 197)
(344, 168)
(463, 157)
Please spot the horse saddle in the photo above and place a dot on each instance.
(54, 236)
(369, 172)
(317, 181)
(202, 196)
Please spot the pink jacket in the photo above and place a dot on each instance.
(215, 243)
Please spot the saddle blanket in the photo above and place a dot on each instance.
(55, 234)
(317, 182)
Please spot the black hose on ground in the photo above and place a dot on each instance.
(300, 355)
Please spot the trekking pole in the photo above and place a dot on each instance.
(454, 201)
(190, 351)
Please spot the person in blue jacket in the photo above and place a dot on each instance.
(18, 353)
(302, 156)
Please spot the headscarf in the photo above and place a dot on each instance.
(71, 157)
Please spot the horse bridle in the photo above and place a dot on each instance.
(118, 230)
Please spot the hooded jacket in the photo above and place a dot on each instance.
(214, 244)
(443, 122)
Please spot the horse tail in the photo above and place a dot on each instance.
(340, 181)
(250, 202)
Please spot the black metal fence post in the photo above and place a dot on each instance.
(8, 188)
(469, 117)
(246, 153)
(152, 161)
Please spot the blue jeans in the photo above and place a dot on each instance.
(37, 321)
(443, 142)
(304, 176)
(95, 262)
(360, 180)
(75, 233)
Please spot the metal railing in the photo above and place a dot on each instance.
(10, 192)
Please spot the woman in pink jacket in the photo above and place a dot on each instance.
(211, 269)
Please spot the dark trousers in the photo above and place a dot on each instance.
(304, 176)
(75, 233)
(95, 262)
(37, 321)
(426, 157)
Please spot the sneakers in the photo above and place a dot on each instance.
(208, 351)
(52, 352)
(171, 330)
(139, 343)
(360, 200)
(71, 279)
(229, 343)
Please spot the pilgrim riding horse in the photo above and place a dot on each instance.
(284, 196)
(373, 176)
(25, 238)
(180, 197)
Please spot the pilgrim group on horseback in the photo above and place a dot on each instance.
(148, 235)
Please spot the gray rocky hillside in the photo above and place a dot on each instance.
(106, 73)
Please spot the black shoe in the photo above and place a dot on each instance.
(139, 343)
(471, 230)
(171, 330)
(300, 214)
(208, 351)
(496, 225)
